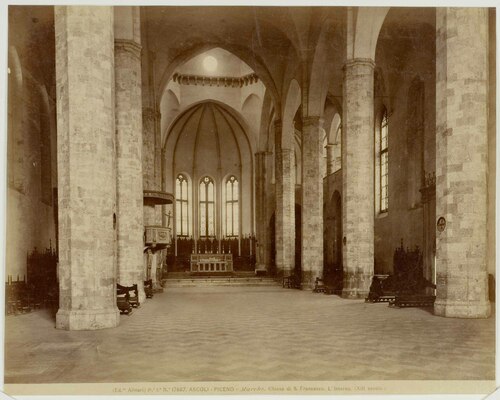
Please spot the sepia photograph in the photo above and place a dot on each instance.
(249, 199)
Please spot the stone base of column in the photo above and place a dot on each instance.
(280, 273)
(307, 281)
(79, 320)
(261, 269)
(142, 294)
(356, 286)
(157, 287)
(354, 294)
(462, 309)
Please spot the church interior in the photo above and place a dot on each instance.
(175, 174)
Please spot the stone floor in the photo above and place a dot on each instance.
(252, 333)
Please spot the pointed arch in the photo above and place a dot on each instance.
(169, 108)
(267, 113)
(292, 103)
(251, 59)
(363, 28)
(319, 79)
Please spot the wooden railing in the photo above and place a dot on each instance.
(211, 262)
(242, 251)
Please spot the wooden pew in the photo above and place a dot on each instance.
(319, 286)
(148, 288)
(291, 281)
(127, 297)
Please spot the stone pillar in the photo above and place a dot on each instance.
(428, 198)
(151, 165)
(462, 162)
(312, 200)
(285, 206)
(128, 111)
(330, 159)
(358, 178)
(86, 167)
(337, 156)
(260, 209)
(150, 119)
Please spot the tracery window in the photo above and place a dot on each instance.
(207, 207)
(182, 205)
(384, 163)
(232, 210)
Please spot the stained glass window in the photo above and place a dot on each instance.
(207, 207)
(182, 205)
(384, 164)
(232, 211)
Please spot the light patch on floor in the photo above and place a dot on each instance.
(252, 334)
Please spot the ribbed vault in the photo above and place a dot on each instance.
(209, 140)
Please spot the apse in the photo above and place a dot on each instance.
(217, 75)
(208, 141)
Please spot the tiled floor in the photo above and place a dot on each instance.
(252, 333)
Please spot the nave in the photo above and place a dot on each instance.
(261, 333)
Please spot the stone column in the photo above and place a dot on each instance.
(428, 198)
(462, 162)
(285, 206)
(150, 118)
(312, 200)
(358, 178)
(330, 159)
(152, 180)
(260, 209)
(86, 167)
(128, 111)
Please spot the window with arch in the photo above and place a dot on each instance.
(207, 207)
(182, 205)
(384, 162)
(325, 153)
(232, 211)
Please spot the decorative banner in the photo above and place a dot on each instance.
(441, 224)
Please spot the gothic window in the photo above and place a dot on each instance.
(207, 207)
(324, 164)
(232, 211)
(384, 163)
(182, 205)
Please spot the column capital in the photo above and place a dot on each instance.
(314, 120)
(284, 152)
(128, 46)
(278, 124)
(263, 153)
(368, 62)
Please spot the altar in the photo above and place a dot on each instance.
(210, 262)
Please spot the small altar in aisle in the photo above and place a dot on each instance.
(211, 262)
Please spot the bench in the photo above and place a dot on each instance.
(402, 301)
(18, 298)
(380, 299)
(127, 297)
(291, 282)
(148, 288)
(319, 286)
